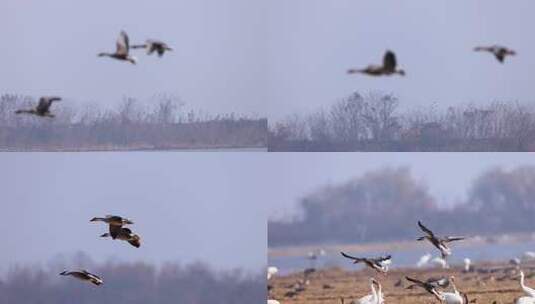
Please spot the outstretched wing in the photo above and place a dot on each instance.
(389, 61)
(351, 257)
(123, 44)
(43, 105)
(382, 259)
(115, 230)
(418, 282)
(453, 238)
(425, 229)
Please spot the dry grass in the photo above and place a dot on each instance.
(501, 286)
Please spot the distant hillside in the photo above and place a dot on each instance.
(385, 205)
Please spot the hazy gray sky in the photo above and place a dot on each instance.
(51, 48)
(313, 42)
(187, 207)
(447, 175)
(267, 57)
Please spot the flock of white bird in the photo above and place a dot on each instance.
(433, 286)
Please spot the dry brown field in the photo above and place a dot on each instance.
(488, 283)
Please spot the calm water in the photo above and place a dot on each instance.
(409, 257)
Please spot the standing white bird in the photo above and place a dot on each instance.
(424, 260)
(438, 261)
(273, 302)
(468, 267)
(375, 297)
(271, 271)
(528, 290)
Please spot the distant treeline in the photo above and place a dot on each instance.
(132, 125)
(374, 123)
(133, 283)
(385, 205)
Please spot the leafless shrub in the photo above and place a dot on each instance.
(161, 124)
(372, 123)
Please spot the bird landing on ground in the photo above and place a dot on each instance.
(379, 264)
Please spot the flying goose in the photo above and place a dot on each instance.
(454, 297)
(124, 234)
(84, 275)
(438, 242)
(388, 67)
(123, 47)
(43, 107)
(430, 288)
(435, 282)
(500, 52)
(112, 220)
(379, 264)
(152, 46)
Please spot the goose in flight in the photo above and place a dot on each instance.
(439, 242)
(112, 220)
(435, 282)
(43, 107)
(454, 297)
(152, 46)
(124, 234)
(379, 264)
(84, 275)
(430, 288)
(529, 291)
(388, 67)
(121, 52)
(500, 52)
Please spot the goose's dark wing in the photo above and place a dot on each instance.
(389, 61)
(417, 282)
(351, 257)
(43, 105)
(123, 44)
(115, 230)
(382, 259)
(453, 238)
(425, 229)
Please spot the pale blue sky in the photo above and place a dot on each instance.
(187, 207)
